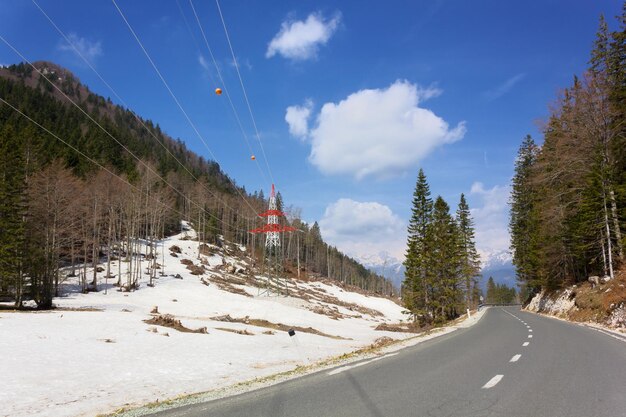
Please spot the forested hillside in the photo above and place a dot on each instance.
(82, 179)
(568, 202)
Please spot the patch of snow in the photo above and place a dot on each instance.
(556, 305)
(96, 361)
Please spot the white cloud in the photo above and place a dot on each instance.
(363, 228)
(203, 63)
(89, 50)
(380, 132)
(297, 117)
(503, 88)
(241, 63)
(491, 218)
(300, 40)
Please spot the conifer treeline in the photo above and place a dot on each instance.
(60, 213)
(568, 201)
(442, 264)
(499, 293)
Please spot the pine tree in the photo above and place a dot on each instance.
(470, 261)
(415, 292)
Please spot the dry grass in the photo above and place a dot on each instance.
(382, 342)
(275, 326)
(244, 332)
(206, 250)
(400, 327)
(597, 304)
(332, 312)
(170, 321)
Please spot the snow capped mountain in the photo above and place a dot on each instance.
(497, 264)
(384, 264)
(494, 259)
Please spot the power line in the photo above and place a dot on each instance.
(106, 131)
(90, 159)
(79, 151)
(126, 105)
(176, 99)
(243, 89)
(226, 90)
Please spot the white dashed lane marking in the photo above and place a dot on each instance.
(515, 358)
(493, 381)
(530, 336)
(525, 343)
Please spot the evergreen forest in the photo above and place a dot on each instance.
(568, 200)
(83, 181)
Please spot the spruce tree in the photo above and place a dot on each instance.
(599, 54)
(12, 213)
(443, 260)
(617, 72)
(491, 291)
(523, 225)
(470, 261)
(415, 292)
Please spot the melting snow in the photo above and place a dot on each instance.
(68, 363)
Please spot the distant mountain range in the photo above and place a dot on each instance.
(384, 264)
(497, 264)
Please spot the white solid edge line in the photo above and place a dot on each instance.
(525, 343)
(607, 333)
(493, 381)
(515, 358)
(345, 368)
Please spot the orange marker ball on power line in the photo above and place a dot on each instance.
(218, 91)
(253, 157)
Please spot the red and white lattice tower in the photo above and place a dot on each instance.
(272, 228)
(272, 238)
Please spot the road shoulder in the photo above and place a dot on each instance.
(351, 358)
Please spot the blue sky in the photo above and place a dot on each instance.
(388, 87)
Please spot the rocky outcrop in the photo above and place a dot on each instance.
(597, 301)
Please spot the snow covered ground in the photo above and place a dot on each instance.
(95, 353)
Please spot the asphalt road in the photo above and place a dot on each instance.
(511, 363)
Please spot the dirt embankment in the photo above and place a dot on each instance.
(604, 303)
